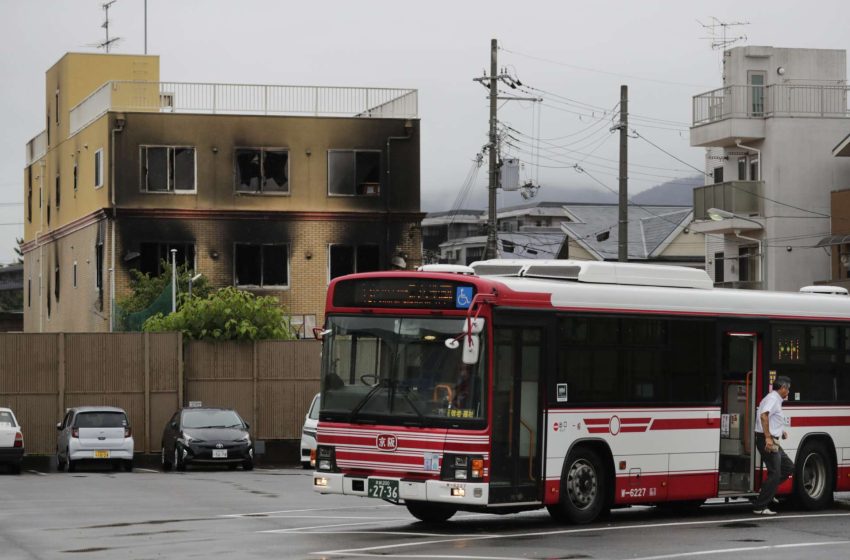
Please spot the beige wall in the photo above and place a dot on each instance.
(689, 244)
(577, 252)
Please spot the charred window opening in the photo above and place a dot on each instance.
(56, 276)
(76, 177)
(58, 190)
(168, 168)
(354, 172)
(29, 194)
(262, 170)
(348, 259)
(75, 274)
(47, 295)
(154, 256)
(29, 292)
(98, 168)
(261, 265)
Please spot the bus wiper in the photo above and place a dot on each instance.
(367, 397)
(405, 392)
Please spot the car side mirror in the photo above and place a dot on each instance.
(58, 425)
(174, 425)
(247, 426)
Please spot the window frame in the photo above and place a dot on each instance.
(262, 286)
(354, 194)
(98, 168)
(355, 260)
(169, 165)
(259, 191)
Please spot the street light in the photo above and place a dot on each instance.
(718, 215)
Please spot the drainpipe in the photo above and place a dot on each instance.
(119, 127)
(408, 127)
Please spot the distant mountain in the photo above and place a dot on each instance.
(678, 192)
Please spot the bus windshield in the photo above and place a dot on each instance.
(399, 371)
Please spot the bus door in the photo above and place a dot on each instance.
(740, 359)
(515, 473)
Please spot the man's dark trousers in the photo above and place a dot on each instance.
(779, 467)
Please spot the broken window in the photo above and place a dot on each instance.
(75, 178)
(58, 189)
(348, 259)
(168, 168)
(152, 256)
(354, 172)
(262, 170)
(98, 168)
(261, 265)
(29, 194)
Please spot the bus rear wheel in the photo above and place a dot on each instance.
(584, 488)
(814, 478)
(430, 513)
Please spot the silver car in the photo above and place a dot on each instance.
(94, 433)
(308, 434)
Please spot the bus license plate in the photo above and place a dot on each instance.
(384, 489)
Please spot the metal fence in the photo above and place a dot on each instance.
(778, 100)
(270, 383)
(244, 99)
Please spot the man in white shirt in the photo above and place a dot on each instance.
(770, 424)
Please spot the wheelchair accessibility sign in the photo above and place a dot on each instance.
(463, 297)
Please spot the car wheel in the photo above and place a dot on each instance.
(305, 464)
(248, 466)
(814, 478)
(178, 462)
(15, 468)
(583, 488)
(72, 466)
(166, 464)
(128, 465)
(430, 513)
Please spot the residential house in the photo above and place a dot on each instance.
(769, 134)
(272, 189)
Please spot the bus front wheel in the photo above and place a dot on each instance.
(429, 512)
(583, 488)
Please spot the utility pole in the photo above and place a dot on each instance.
(623, 232)
(490, 250)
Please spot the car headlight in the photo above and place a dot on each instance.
(186, 439)
(244, 439)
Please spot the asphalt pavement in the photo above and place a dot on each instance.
(274, 513)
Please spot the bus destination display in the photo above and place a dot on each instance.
(411, 293)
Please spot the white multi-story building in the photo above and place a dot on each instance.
(769, 133)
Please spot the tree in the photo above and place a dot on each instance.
(147, 288)
(228, 314)
(19, 252)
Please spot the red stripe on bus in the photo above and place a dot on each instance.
(824, 421)
(596, 421)
(685, 424)
(635, 420)
(633, 428)
(598, 430)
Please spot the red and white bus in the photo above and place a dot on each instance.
(575, 386)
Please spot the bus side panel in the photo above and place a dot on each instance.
(658, 454)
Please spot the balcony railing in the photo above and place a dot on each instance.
(778, 100)
(244, 99)
(739, 197)
(37, 147)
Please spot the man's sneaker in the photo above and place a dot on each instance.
(765, 511)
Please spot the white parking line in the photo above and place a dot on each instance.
(742, 549)
(137, 469)
(298, 529)
(37, 472)
(267, 513)
(374, 549)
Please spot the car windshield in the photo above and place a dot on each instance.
(392, 369)
(6, 419)
(314, 408)
(101, 420)
(211, 419)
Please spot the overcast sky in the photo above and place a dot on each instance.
(574, 55)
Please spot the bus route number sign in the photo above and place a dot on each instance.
(385, 489)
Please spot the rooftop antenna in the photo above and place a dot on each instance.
(718, 34)
(107, 44)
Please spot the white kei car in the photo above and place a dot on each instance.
(308, 434)
(94, 433)
(11, 441)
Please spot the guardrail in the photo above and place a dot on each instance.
(244, 99)
(778, 100)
